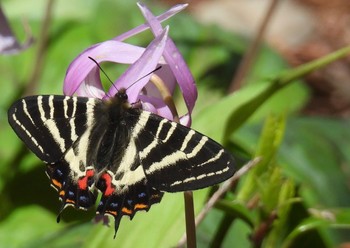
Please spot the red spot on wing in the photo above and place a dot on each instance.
(90, 173)
(83, 182)
(108, 181)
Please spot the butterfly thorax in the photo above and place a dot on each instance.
(112, 133)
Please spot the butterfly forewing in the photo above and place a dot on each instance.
(49, 124)
(177, 158)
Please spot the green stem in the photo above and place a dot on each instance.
(248, 108)
(304, 69)
(248, 59)
(190, 220)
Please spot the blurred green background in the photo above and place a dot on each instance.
(297, 196)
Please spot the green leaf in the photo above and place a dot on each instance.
(306, 226)
(265, 177)
(314, 153)
(27, 224)
(237, 210)
(280, 225)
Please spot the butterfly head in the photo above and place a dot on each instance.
(121, 95)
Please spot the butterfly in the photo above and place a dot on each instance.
(130, 155)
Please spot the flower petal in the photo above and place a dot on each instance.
(91, 86)
(175, 60)
(143, 66)
(82, 66)
(156, 105)
(162, 17)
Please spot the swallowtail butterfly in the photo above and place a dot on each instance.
(130, 155)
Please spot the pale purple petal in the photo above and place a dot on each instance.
(175, 61)
(91, 86)
(143, 66)
(185, 120)
(82, 66)
(147, 105)
(156, 105)
(165, 16)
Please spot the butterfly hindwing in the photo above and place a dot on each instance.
(135, 197)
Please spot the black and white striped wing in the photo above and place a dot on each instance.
(49, 125)
(177, 158)
(57, 130)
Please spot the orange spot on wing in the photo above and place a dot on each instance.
(70, 201)
(114, 213)
(56, 183)
(62, 193)
(140, 206)
(126, 211)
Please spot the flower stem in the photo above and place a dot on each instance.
(252, 50)
(190, 221)
(41, 50)
(166, 95)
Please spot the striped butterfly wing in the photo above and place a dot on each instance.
(56, 129)
(48, 124)
(177, 158)
(83, 141)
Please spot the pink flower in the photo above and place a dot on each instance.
(83, 75)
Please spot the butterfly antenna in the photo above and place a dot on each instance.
(145, 76)
(98, 65)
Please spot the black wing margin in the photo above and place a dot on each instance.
(177, 158)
